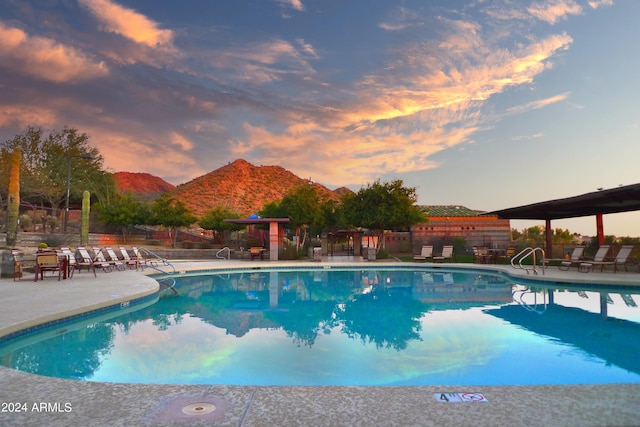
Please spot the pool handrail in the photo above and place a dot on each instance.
(226, 248)
(154, 265)
(524, 254)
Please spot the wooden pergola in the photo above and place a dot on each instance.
(614, 200)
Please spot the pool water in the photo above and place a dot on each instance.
(352, 327)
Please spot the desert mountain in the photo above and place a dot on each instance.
(143, 185)
(241, 187)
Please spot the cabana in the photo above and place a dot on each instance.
(625, 198)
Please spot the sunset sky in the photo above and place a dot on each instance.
(488, 104)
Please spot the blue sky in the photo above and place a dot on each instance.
(486, 104)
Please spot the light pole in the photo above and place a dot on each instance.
(66, 204)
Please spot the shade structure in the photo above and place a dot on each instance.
(614, 200)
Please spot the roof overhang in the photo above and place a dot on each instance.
(614, 200)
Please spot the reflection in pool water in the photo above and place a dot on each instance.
(353, 327)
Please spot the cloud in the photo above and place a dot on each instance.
(599, 3)
(401, 18)
(528, 137)
(45, 58)
(128, 23)
(294, 4)
(264, 62)
(181, 141)
(427, 99)
(21, 116)
(307, 48)
(538, 104)
(552, 11)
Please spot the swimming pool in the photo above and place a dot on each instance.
(351, 327)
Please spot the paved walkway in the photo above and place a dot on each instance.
(54, 402)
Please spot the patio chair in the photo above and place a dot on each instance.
(601, 256)
(575, 258)
(83, 259)
(99, 259)
(622, 258)
(71, 259)
(256, 252)
(510, 252)
(481, 254)
(132, 263)
(112, 258)
(48, 261)
(425, 252)
(447, 253)
(18, 263)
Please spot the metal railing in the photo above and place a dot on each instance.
(151, 260)
(226, 248)
(516, 261)
(535, 305)
(170, 285)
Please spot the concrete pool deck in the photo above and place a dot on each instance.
(57, 402)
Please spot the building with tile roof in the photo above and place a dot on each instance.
(452, 222)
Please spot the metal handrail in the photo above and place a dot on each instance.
(524, 254)
(529, 307)
(171, 286)
(157, 257)
(226, 248)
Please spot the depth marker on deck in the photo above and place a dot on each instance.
(460, 397)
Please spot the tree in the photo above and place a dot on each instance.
(306, 209)
(172, 214)
(214, 220)
(383, 206)
(46, 160)
(124, 211)
(561, 236)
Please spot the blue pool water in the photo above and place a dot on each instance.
(351, 327)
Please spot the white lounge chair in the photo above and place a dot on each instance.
(447, 253)
(132, 263)
(112, 258)
(622, 258)
(575, 258)
(426, 252)
(83, 259)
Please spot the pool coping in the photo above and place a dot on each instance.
(146, 404)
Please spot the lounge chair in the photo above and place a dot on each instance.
(113, 258)
(97, 260)
(71, 260)
(132, 263)
(575, 258)
(83, 259)
(447, 253)
(622, 258)
(425, 252)
(601, 256)
(101, 260)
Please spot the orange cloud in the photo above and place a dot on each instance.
(128, 23)
(552, 11)
(45, 58)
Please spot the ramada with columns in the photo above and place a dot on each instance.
(276, 232)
